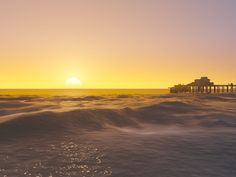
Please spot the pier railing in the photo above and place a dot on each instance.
(230, 88)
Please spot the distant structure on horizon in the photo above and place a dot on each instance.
(203, 85)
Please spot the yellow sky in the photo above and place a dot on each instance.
(115, 44)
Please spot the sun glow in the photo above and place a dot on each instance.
(73, 81)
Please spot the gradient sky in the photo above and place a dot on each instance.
(116, 43)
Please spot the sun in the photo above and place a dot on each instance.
(73, 81)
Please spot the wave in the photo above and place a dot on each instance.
(12, 104)
(168, 113)
(85, 98)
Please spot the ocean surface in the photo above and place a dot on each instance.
(117, 133)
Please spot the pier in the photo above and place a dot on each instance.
(203, 85)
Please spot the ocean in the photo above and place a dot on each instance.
(117, 133)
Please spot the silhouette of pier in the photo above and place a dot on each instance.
(203, 85)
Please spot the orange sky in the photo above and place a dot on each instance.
(116, 44)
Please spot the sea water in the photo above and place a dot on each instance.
(120, 133)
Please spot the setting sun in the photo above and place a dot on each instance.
(73, 81)
(117, 88)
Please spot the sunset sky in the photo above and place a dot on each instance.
(116, 43)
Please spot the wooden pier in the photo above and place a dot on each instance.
(203, 85)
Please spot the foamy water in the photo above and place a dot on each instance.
(120, 133)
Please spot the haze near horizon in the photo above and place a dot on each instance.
(116, 44)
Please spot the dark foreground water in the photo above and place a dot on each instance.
(120, 135)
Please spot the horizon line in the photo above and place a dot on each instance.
(81, 88)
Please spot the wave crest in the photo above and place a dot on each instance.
(162, 114)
